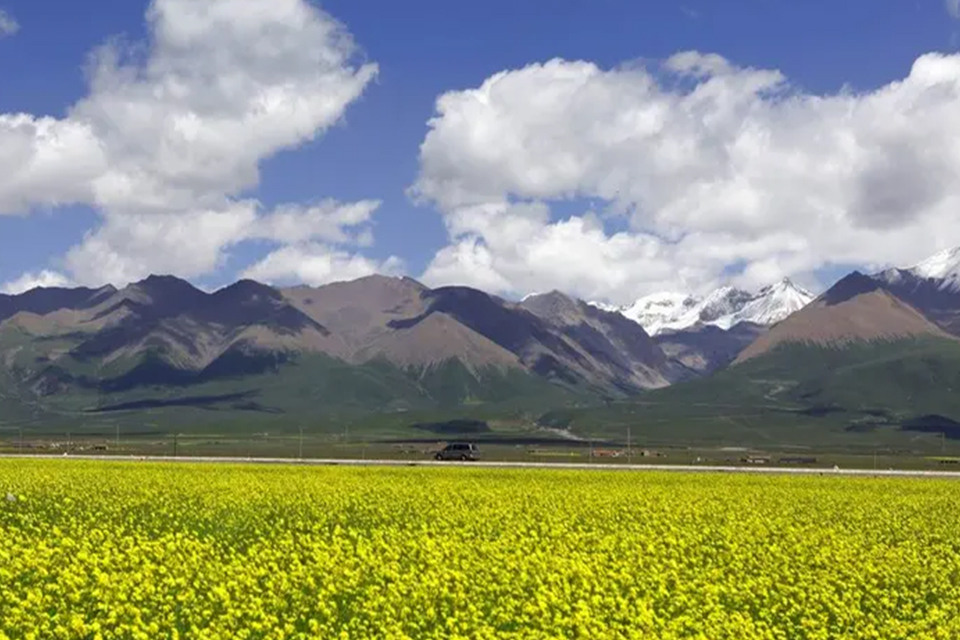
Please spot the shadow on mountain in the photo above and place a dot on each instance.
(44, 301)
(247, 303)
(933, 423)
(237, 400)
(238, 362)
(454, 427)
(513, 329)
(173, 309)
(154, 371)
(523, 441)
(862, 427)
(849, 287)
(820, 411)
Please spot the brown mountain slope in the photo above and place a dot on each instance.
(166, 317)
(358, 312)
(615, 346)
(706, 348)
(437, 339)
(856, 309)
(369, 316)
(164, 329)
(553, 336)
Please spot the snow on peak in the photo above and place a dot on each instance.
(723, 307)
(770, 305)
(943, 266)
(658, 311)
(603, 306)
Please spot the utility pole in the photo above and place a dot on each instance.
(175, 445)
(118, 435)
(20, 440)
(300, 449)
(629, 452)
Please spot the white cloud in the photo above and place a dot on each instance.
(953, 8)
(169, 136)
(29, 281)
(45, 161)
(711, 164)
(317, 264)
(8, 26)
(328, 221)
(130, 246)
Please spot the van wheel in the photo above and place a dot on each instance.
(463, 458)
(438, 457)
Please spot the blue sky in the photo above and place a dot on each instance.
(425, 48)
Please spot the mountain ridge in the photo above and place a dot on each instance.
(725, 307)
(386, 344)
(163, 336)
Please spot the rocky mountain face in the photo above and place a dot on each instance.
(704, 334)
(610, 342)
(932, 287)
(704, 349)
(165, 333)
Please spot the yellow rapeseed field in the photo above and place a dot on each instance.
(149, 550)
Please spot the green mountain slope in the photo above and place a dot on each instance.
(855, 394)
(257, 391)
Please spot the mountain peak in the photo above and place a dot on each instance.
(945, 264)
(163, 288)
(856, 309)
(553, 294)
(723, 307)
(848, 287)
(551, 304)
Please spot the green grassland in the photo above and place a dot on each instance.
(846, 398)
(853, 396)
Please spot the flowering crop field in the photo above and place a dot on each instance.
(151, 550)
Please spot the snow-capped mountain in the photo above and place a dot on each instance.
(942, 267)
(770, 305)
(932, 287)
(725, 307)
(658, 310)
(603, 306)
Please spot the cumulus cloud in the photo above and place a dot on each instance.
(130, 245)
(29, 281)
(714, 167)
(317, 264)
(328, 221)
(172, 133)
(8, 26)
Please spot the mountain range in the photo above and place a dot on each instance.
(373, 344)
(706, 333)
(383, 345)
(724, 308)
